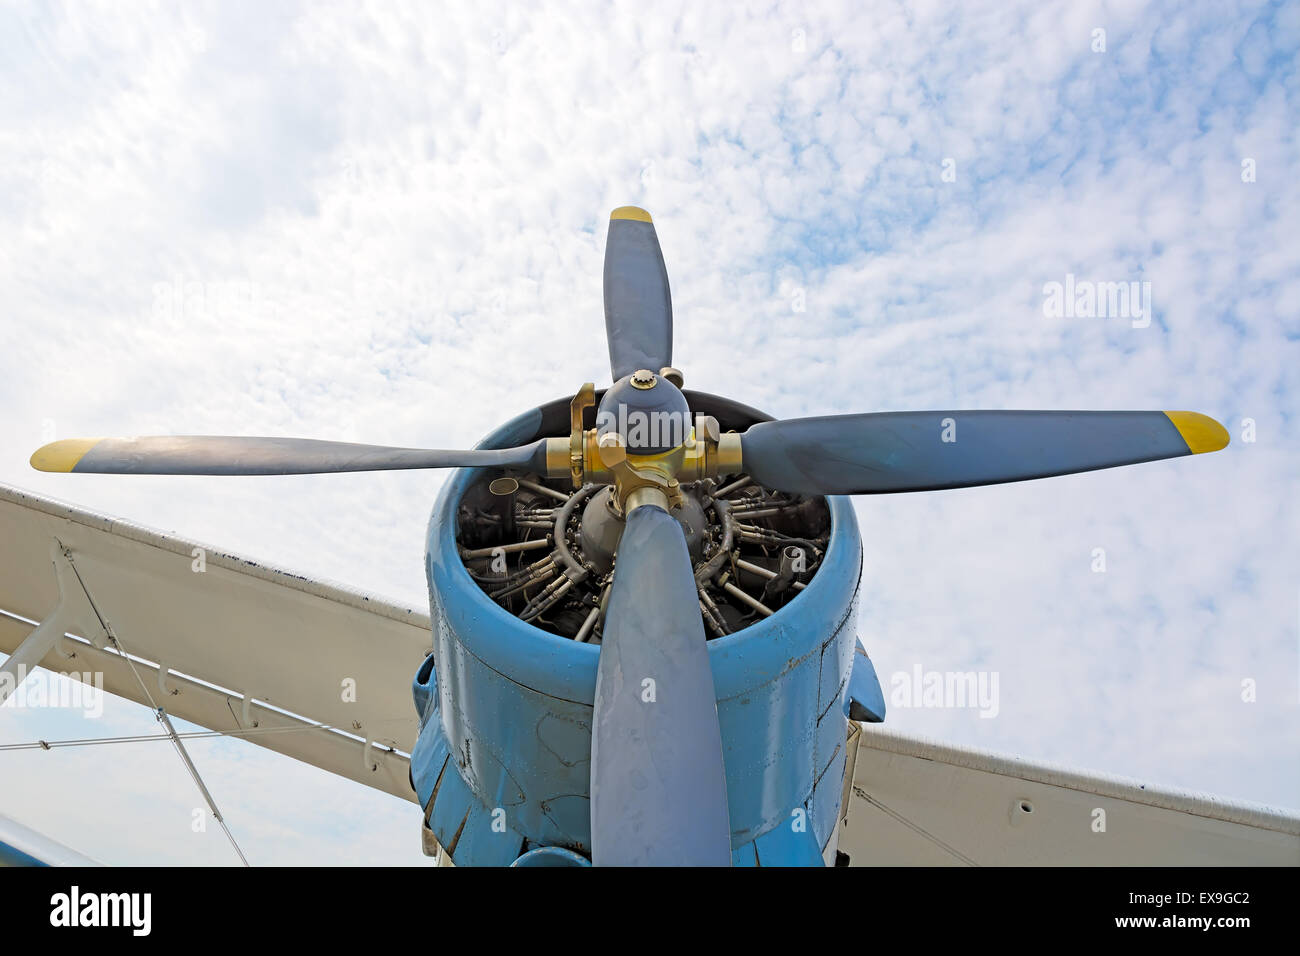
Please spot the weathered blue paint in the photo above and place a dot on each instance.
(551, 856)
(792, 843)
(12, 856)
(866, 699)
(509, 728)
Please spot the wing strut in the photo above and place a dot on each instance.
(71, 611)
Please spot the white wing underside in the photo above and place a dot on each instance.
(245, 648)
(921, 802)
(311, 670)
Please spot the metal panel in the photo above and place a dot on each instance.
(918, 802)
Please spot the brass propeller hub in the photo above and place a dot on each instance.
(591, 456)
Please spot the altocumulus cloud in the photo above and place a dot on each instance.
(387, 225)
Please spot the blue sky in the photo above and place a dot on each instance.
(386, 225)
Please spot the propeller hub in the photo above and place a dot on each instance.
(647, 411)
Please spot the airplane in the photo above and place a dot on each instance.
(641, 643)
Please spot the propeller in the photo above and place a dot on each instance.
(658, 791)
(638, 307)
(223, 455)
(927, 451)
(658, 784)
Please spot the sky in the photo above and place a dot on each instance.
(385, 222)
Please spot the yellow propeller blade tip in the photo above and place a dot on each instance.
(631, 212)
(62, 455)
(1201, 432)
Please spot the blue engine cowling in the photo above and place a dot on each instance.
(502, 763)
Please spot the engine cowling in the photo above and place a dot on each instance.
(503, 759)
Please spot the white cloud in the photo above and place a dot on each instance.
(416, 201)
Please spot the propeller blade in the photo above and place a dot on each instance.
(222, 455)
(638, 305)
(658, 786)
(927, 451)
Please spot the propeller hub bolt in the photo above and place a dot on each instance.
(673, 375)
(643, 378)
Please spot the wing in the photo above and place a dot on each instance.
(919, 802)
(310, 670)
